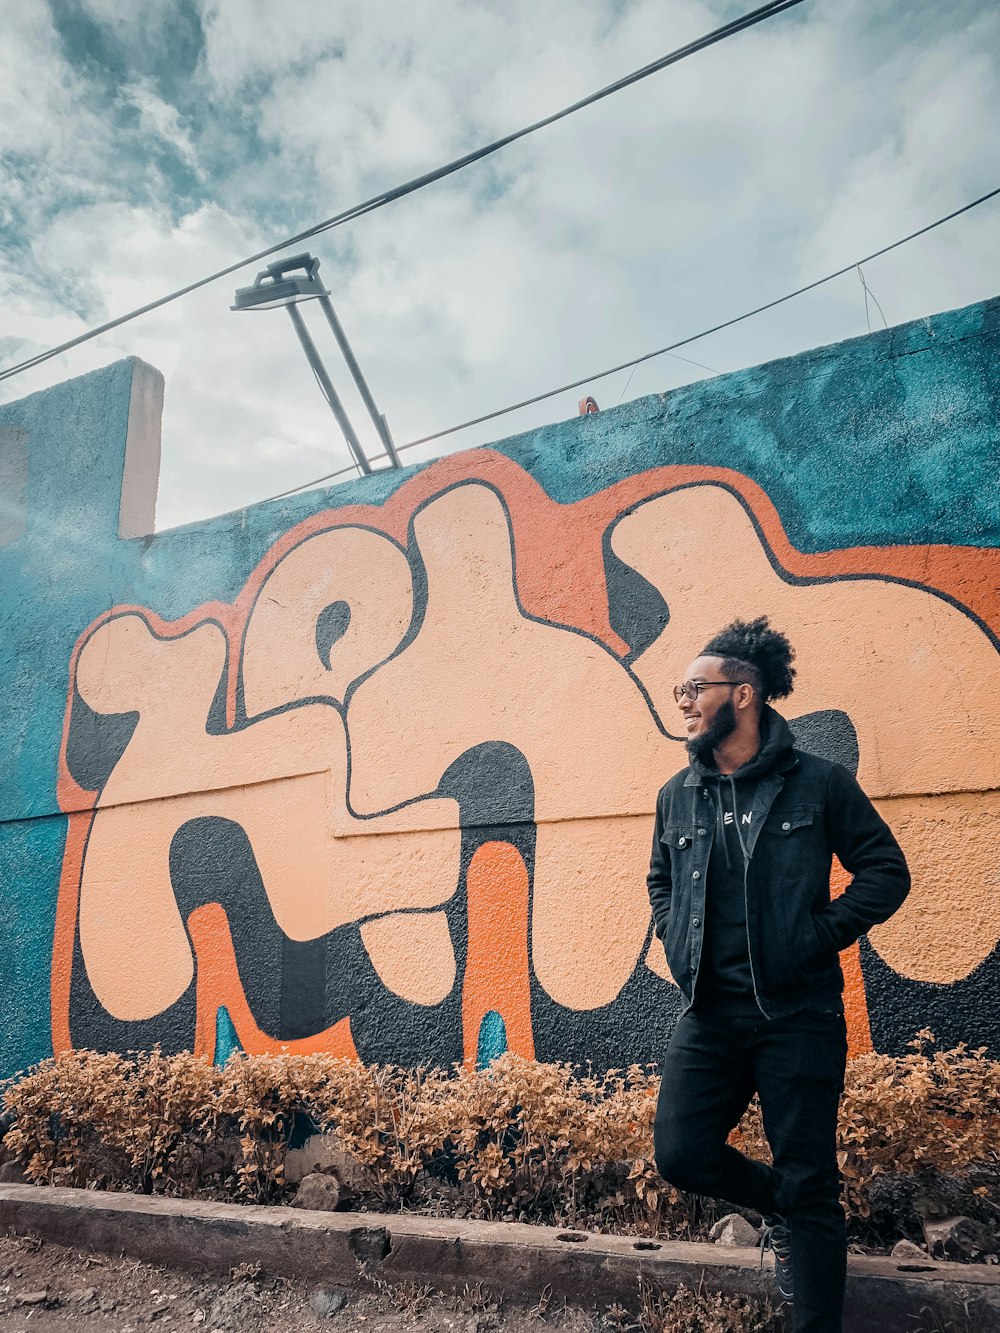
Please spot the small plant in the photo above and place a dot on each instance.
(701, 1311)
(543, 1305)
(246, 1272)
(618, 1319)
(410, 1298)
(963, 1316)
(475, 1298)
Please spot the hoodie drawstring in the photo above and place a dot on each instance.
(736, 821)
(720, 827)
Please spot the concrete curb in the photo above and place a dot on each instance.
(514, 1261)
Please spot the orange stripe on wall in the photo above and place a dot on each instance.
(497, 973)
(859, 1033)
(64, 936)
(218, 983)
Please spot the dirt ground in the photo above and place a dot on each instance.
(45, 1287)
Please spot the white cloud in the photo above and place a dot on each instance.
(732, 177)
(52, 138)
(160, 119)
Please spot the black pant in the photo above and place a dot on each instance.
(713, 1067)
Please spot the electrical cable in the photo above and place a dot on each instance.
(700, 364)
(868, 292)
(648, 356)
(730, 29)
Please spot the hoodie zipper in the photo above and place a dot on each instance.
(746, 897)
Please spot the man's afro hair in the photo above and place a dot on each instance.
(755, 643)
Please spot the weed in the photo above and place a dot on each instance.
(245, 1272)
(701, 1311)
(407, 1297)
(475, 1298)
(546, 1306)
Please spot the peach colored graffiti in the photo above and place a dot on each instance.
(332, 755)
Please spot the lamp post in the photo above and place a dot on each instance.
(280, 285)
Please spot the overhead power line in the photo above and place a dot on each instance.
(648, 356)
(738, 25)
(716, 328)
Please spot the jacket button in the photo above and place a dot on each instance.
(786, 826)
(682, 842)
(696, 875)
(696, 921)
(701, 833)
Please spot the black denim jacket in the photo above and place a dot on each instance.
(805, 811)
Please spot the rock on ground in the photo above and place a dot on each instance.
(908, 1252)
(319, 1192)
(323, 1302)
(733, 1229)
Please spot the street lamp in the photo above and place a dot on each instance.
(281, 285)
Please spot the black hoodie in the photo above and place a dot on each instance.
(795, 813)
(725, 977)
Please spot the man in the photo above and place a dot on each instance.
(739, 884)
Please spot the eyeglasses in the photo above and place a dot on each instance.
(692, 688)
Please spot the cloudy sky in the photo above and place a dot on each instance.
(142, 145)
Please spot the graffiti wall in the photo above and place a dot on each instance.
(376, 777)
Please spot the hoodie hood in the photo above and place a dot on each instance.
(776, 753)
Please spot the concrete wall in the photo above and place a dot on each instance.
(372, 770)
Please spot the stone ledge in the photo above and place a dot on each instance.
(513, 1260)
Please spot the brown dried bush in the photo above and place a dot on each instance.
(535, 1142)
(61, 1104)
(931, 1111)
(88, 1116)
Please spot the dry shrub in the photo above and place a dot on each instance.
(83, 1117)
(536, 1142)
(701, 1311)
(931, 1111)
(392, 1120)
(542, 1140)
(170, 1116)
(58, 1106)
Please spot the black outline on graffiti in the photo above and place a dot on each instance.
(547, 1024)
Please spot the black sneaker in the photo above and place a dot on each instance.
(775, 1238)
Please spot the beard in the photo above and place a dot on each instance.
(722, 725)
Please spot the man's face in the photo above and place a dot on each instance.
(710, 718)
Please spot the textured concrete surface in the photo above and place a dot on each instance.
(514, 1261)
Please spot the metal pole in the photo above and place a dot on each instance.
(337, 407)
(381, 425)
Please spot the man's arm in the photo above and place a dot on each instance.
(658, 879)
(866, 848)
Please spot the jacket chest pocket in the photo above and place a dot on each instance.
(688, 847)
(685, 842)
(786, 824)
(792, 858)
(678, 837)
